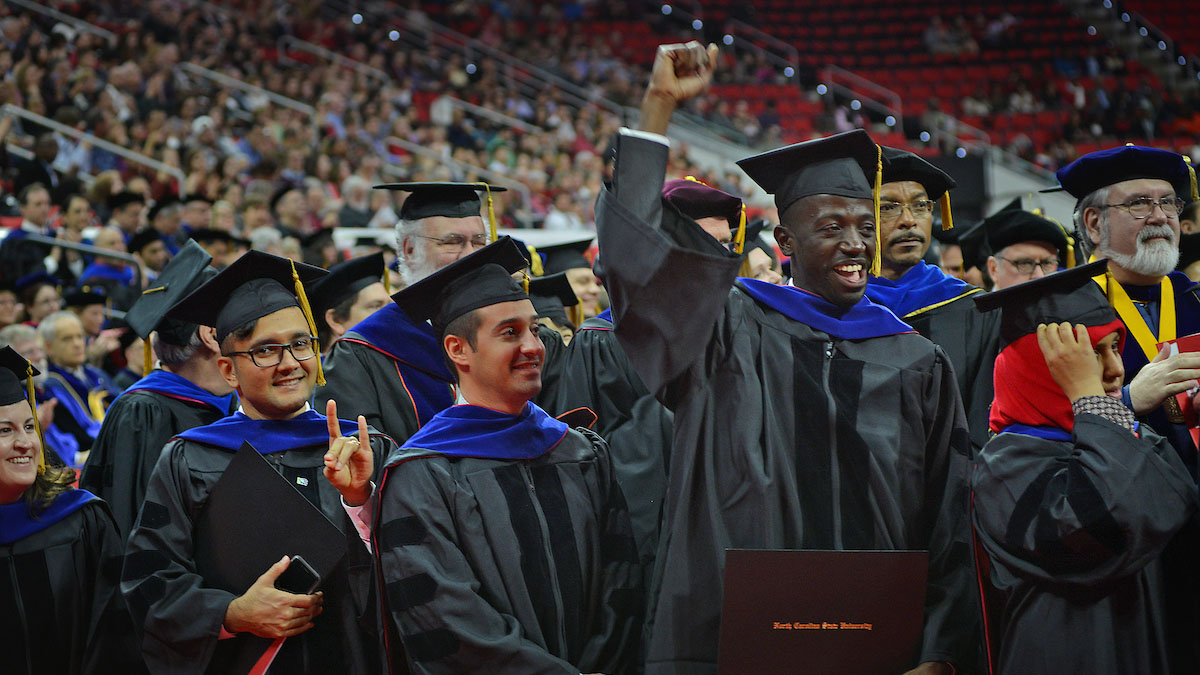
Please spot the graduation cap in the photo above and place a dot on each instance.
(143, 238)
(184, 274)
(197, 197)
(452, 200)
(1067, 296)
(837, 165)
(124, 198)
(36, 279)
(902, 165)
(211, 235)
(7, 286)
(86, 295)
(16, 385)
(255, 285)
(159, 205)
(533, 259)
(551, 295)
(1102, 168)
(481, 279)
(344, 281)
(1013, 225)
(696, 200)
(566, 256)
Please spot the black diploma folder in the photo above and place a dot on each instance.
(819, 612)
(253, 518)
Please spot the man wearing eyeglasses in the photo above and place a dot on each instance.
(388, 367)
(1128, 211)
(189, 622)
(936, 304)
(1022, 246)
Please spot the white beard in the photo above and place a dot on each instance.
(416, 267)
(1151, 259)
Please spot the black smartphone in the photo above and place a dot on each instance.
(299, 577)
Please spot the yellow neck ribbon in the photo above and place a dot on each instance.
(1132, 318)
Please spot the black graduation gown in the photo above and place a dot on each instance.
(597, 375)
(60, 608)
(510, 566)
(971, 340)
(179, 619)
(784, 437)
(1073, 533)
(132, 436)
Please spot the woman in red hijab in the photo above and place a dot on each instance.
(1073, 501)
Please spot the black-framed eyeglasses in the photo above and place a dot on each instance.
(891, 210)
(1142, 207)
(270, 355)
(1026, 266)
(457, 242)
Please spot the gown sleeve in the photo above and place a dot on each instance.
(1083, 513)
(177, 618)
(668, 286)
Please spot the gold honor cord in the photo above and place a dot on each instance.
(37, 423)
(877, 261)
(312, 326)
(1132, 318)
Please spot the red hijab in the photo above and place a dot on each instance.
(1026, 393)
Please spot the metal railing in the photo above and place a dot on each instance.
(76, 23)
(86, 248)
(488, 113)
(870, 94)
(234, 83)
(772, 48)
(492, 176)
(130, 155)
(287, 42)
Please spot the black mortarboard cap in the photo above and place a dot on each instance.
(317, 240)
(843, 165)
(279, 195)
(184, 274)
(255, 285)
(159, 205)
(1105, 167)
(481, 279)
(551, 295)
(7, 286)
(197, 197)
(1067, 296)
(452, 200)
(565, 256)
(344, 281)
(208, 235)
(143, 238)
(901, 165)
(14, 369)
(124, 198)
(86, 295)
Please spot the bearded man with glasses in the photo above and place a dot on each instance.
(1128, 211)
(388, 367)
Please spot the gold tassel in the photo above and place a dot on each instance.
(147, 357)
(491, 212)
(535, 261)
(947, 219)
(1070, 250)
(575, 313)
(33, 406)
(387, 279)
(525, 281)
(877, 261)
(739, 241)
(312, 326)
(1192, 178)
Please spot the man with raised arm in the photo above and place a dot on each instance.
(806, 417)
